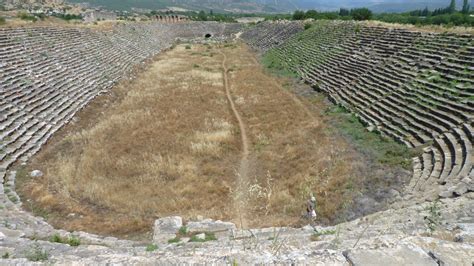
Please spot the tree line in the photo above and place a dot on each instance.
(449, 15)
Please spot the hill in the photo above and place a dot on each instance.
(256, 6)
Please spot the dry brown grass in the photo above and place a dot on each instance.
(166, 143)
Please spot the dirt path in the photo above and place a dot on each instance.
(242, 174)
(168, 144)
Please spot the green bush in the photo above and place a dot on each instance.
(151, 248)
(68, 17)
(307, 26)
(174, 240)
(183, 230)
(26, 16)
(361, 13)
(36, 253)
(298, 15)
(56, 238)
(208, 237)
(73, 241)
(2, 20)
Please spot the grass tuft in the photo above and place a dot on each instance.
(151, 247)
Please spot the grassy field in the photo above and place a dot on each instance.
(166, 143)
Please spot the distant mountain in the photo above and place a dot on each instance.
(256, 6)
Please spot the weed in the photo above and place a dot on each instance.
(174, 240)
(2, 20)
(195, 66)
(307, 26)
(73, 241)
(56, 238)
(36, 253)
(188, 47)
(6, 255)
(183, 230)
(26, 16)
(386, 150)
(208, 237)
(13, 198)
(151, 247)
(277, 67)
(433, 219)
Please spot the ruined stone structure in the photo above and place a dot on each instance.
(415, 87)
(412, 86)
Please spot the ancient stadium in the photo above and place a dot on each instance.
(189, 142)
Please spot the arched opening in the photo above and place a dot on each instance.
(208, 35)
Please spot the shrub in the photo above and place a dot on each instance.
(56, 238)
(208, 237)
(433, 218)
(36, 253)
(361, 14)
(298, 15)
(183, 230)
(26, 16)
(2, 20)
(307, 26)
(188, 47)
(174, 240)
(151, 248)
(74, 241)
(6, 255)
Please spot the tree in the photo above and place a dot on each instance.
(425, 12)
(465, 7)
(344, 12)
(311, 14)
(361, 13)
(452, 6)
(298, 15)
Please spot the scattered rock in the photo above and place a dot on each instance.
(166, 228)
(209, 225)
(400, 255)
(460, 189)
(446, 194)
(201, 236)
(36, 173)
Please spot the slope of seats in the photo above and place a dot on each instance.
(47, 74)
(413, 86)
(269, 34)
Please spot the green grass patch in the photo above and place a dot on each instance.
(72, 241)
(183, 231)
(35, 253)
(384, 149)
(174, 240)
(315, 236)
(208, 237)
(275, 65)
(26, 16)
(151, 248)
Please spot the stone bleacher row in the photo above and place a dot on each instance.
(269, 34)
(415, 87)
(47, 74)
